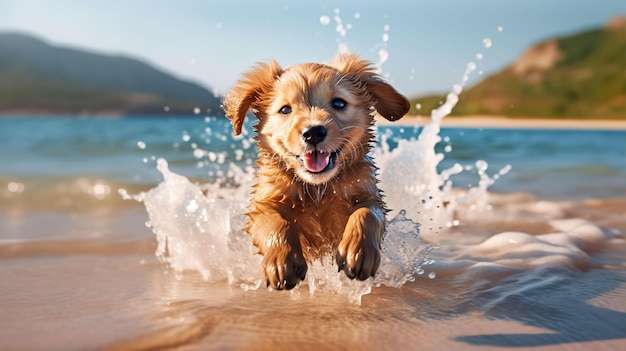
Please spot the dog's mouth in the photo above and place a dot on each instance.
(319, 161)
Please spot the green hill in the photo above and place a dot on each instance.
(36, 77)
(578, 76)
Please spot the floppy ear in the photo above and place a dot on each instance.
(385, 99)
(247, 91)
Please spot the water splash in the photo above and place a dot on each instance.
(199, 227)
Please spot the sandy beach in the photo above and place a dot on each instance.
(480, 121)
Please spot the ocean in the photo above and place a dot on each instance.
(125, 234)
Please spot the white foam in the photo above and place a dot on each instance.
(511, 252)
(204, 233)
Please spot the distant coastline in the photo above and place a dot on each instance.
(485, 121)
(478, 121)
(108, 113)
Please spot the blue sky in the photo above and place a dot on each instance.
(429, 43)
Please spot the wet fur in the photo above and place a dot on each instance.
(295, 215)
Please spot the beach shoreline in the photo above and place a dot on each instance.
(501, 122)
(473, 121)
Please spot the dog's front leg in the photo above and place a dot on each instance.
(359, 250)
(278, 241)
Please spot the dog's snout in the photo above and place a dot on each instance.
(314, 135)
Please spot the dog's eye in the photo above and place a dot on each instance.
(285, 110)
(338, 104)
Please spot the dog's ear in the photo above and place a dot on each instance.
(246, 93)
(385, 99)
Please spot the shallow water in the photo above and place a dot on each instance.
(522, 256)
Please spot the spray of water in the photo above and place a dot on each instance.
(199, 227)
(342, 30)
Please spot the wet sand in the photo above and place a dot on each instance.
(110, 292)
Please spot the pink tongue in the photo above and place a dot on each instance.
(316, 161)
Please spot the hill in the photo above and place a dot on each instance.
(577, 76)
(38, 77)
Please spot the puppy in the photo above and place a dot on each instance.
(316, 192)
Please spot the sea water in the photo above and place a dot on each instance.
(528, 235)
(198, 226)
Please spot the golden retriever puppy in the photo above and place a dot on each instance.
(316, 191)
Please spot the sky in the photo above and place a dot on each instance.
(425, 45)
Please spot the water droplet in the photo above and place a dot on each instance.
(418, 106)
(196, 110)
(481, 165)
(324, 20)
(419, 271)
(506, 169)
(343, 48)
(385, 37)
(357, 15)
(479, 56)
(383, 55)
(141, 145)
(500, 28)
(487, 43)
(198, 153)
(457, 88)
(432, 275)
(15, 187)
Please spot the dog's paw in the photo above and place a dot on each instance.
(358, 256)
(284, 268)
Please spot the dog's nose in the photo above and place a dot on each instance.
(315, 135)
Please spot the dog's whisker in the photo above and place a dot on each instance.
(348, 127)
(350, 149)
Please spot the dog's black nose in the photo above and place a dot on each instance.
(315, 135)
